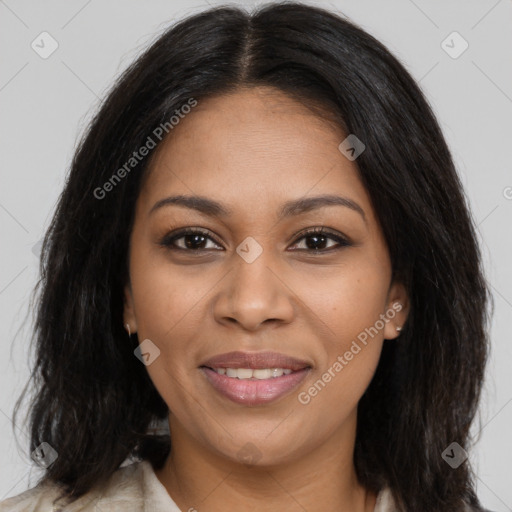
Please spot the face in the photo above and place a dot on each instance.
(263, 270)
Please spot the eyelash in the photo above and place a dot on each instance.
(169, 240)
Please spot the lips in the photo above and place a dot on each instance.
(254, 392)
(255, 360)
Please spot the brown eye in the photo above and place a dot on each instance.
(193, 240)
(317, 238)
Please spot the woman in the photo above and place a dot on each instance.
(264, 243)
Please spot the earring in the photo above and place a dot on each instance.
(398, 328)
(128, 329)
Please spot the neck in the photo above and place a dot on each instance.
(321, 479)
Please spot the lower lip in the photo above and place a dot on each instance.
(254, 391)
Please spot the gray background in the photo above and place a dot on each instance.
(46, 103)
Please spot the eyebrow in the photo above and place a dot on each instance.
(212, 208)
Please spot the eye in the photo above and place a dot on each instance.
(193, 239)
(196, 240)
(318, 237)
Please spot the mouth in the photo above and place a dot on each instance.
(255, 361)
(254, 378)
(252, 373)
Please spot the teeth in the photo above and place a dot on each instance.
(248, 373)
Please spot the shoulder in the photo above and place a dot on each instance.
(123, 492)
(385, 502)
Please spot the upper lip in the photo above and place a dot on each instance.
(255, 360)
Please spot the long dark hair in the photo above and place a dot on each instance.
(425, 392)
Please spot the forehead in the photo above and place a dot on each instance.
(253, 148)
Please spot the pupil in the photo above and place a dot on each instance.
(191, 245)
(316, 238)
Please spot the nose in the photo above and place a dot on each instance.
(254, 293)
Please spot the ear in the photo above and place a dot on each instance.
(129, 309)
(397, 310)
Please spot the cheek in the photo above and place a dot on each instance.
(334, 394)
(348, 300)
(168, 309)
(168, 306)
(348, 307)
(348, 356)
(164, 295)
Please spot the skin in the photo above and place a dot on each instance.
(252, 150)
